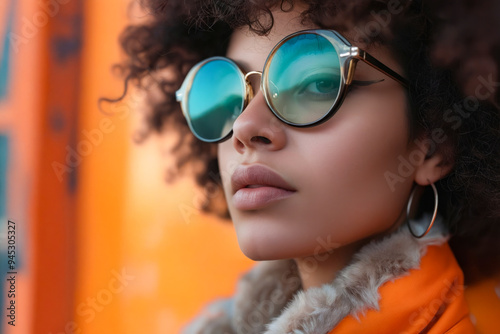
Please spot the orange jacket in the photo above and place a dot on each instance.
(429, 300)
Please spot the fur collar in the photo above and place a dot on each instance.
(269, 298)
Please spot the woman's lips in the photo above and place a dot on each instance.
(256, 186)
(259, 197)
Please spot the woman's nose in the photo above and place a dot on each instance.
(257, 128)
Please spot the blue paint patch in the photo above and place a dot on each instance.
(4, 157)
(6, 54)
(57, 120)
(65, 47)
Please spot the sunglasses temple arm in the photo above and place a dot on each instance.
(373, 62)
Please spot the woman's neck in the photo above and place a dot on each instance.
(320, 269)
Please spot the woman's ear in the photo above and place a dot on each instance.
(436, 164)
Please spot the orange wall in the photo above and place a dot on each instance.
(129, 221)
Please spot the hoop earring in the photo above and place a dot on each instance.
(410, 201)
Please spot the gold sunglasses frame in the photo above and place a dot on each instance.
(348, 55)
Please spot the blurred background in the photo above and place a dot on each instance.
(103, 243)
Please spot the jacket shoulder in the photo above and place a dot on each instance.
(430, 299)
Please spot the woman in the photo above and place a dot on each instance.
(352, 140)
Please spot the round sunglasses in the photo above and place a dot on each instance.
(304, 82)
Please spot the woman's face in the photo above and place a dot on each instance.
(338, 169)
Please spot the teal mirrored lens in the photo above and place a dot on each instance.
(304, 78)
(216, 99)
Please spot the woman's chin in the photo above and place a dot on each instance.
(264, 246)
(258, 248)
(256, 252)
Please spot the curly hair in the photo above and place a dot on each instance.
(449, 52)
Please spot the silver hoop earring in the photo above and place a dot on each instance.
(408, 207)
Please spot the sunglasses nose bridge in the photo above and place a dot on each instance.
(249, 89)
(249, 74)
